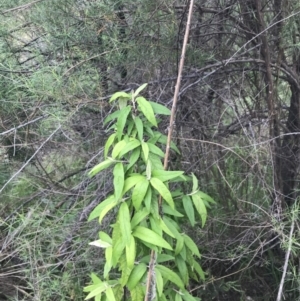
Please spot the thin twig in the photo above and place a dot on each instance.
(287, 256)
(27, 162)
(150, 277)
(22, 125)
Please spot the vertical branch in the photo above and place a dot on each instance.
(151, 275)
(273, 124)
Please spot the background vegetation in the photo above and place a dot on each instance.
(237, 126)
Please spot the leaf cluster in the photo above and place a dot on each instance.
(148, 211)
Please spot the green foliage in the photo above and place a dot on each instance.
(149, 213)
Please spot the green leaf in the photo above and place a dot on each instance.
(151, 237)
(206, 197)
(105, 237)
(160, 258)
(155, 162)
(163, 140)
(170, 275)
(178, 297)
(108, 263)
(120, 95)
(95, 278)
(163, 191)
(191, 245)
(179, 244)
(98, 290)
(130, 252)
(118, 180)
(195, 183)
(166, 175)
(168, 210)
(134, 157)
(101, 166)
(187, 296)
(100, 243)
(159, 109)
(136, 275)
(125, 270)
(118, 148)
(139, 192)
(125, 226)
(137, 294)
(198, 269)
(145, 149)
(155, 150)
(147, 110)
(189, 209)
(140, 128)
(200, 207)
(122, 121)
(107, 209)
(132, 181)
(138, 217)
(112, 116)
(172, 225)
(148, 199)
(182, 268)
(99, 208)
(134, 143)
(155, 227)
(139, 89)
(165, 228)
(159, 282)
(110, 294)
(118, 248)
(108, 143)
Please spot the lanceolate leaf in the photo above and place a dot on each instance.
(134, 143)
(119, 95)
(138, 217)
(134, 157)
(200, 207)
(118, 180)
(132, 181)
(98, 209)
(206, 197)
(189, 209)
(155, 150)
(107, 209)
(139, 192)
(122, 118)
(163, 191)
(99, 288)
(191, 245)
(168, 210)
(125, 227)
(188, 297)
(118, 148)
(159, 109)
(146, 109)
(108, 143)
(145, 148)
(159, 282)
(130, 252)
(182, 268)
(140, 128)
(195, 183)
(136, 275)
(101, 166)
(165, 175)
(110, 294)
(151, 237)
(139, 89)
(170, 275)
